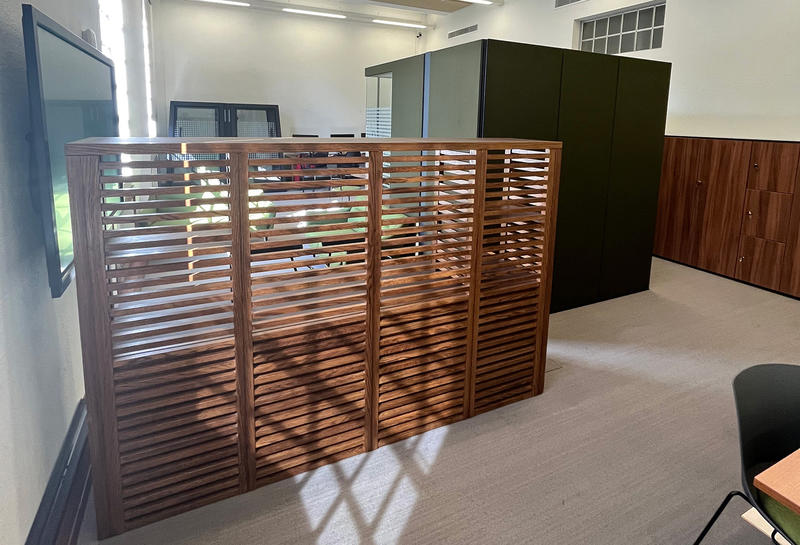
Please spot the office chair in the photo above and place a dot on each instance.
(768, 410)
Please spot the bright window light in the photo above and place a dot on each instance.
(226, 2)
(112, 35)
(151, 122)
(484, 2)
(397, 23)
(316, 13)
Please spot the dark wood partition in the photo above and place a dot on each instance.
(252, 309)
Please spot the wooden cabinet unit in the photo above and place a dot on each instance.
(732, 207)
(700, 201)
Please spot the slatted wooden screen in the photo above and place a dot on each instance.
(308, 272)
(426, 233)
(253, 309)
(511, 303)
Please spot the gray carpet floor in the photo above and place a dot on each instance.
(633, 441)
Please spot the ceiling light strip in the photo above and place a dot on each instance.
(226, 3)
(327, 14)
(397, 23)
(315, 13)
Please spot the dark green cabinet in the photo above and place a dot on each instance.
(609, 112)
(533, 98)
(636, 157)
(585, 126)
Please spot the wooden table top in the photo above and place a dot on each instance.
(782, 481)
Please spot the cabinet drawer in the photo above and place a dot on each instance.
(766, 215)
(773, 166)
(760, 262)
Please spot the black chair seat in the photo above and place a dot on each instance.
(768, 410)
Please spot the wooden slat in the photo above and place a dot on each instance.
(475, 286)
(243, 319)
(372, 348)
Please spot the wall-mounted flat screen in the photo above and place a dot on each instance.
(71, 94)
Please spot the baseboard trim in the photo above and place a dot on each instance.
(58, 519)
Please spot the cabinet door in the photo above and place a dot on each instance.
(585, 125)
(723, 173)
(529, 107)
(679, 214)
(766, 215)
(773, 166)
(790, 281)
(641, 112)
(760, 262)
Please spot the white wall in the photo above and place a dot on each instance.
(735, 67)
(41, 379)
(312, 68)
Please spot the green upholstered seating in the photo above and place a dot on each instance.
(788, 520)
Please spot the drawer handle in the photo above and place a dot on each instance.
(755, 166)
(750, 214)
(741, 258)
(699, 182)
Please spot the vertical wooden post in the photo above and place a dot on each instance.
(373, 333)
(243, 317)
(543, 322)
(95, 326)
(473, 308)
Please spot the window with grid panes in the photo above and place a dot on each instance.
(634, 29)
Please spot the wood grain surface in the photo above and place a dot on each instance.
(782, 481)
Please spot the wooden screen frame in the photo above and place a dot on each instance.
(494, 166)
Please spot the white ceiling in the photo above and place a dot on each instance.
(438, 6)
(408, 11)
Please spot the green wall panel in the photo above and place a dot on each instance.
(586, 121)
(636, 154)
(522, 92)
(454, 91)
(407, 88)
